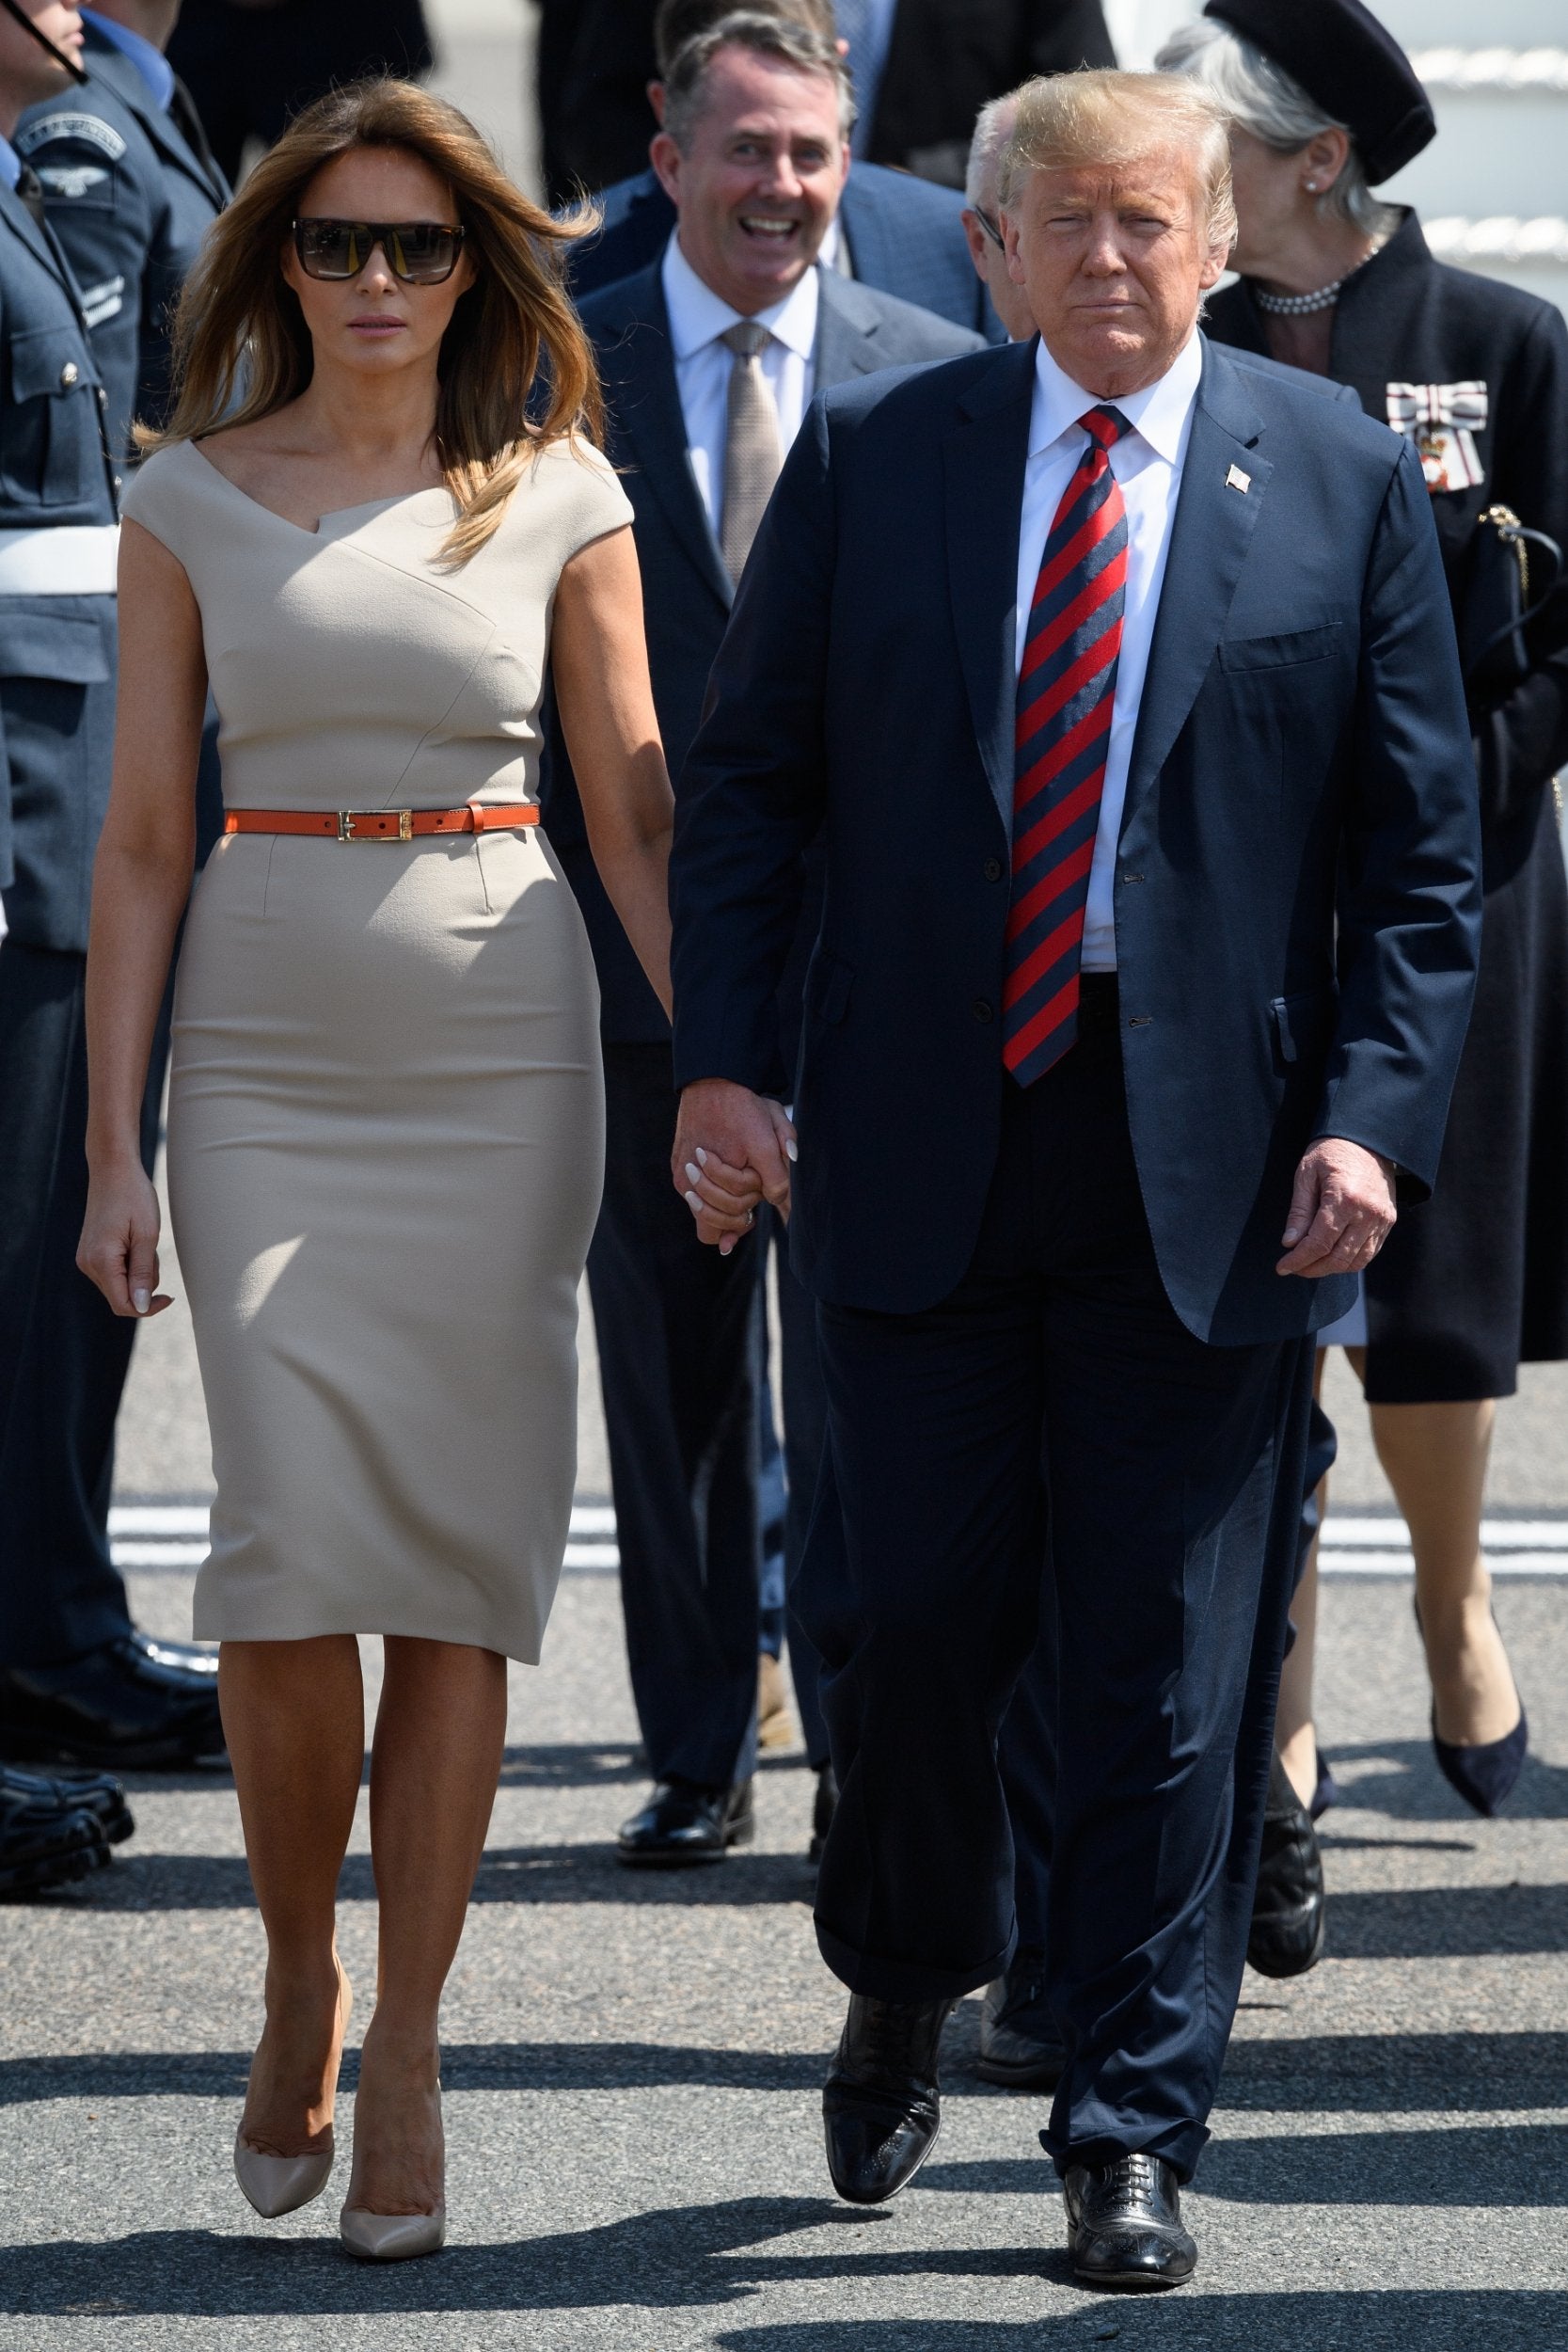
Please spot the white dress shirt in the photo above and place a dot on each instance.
(1147, 464)
(702, 365)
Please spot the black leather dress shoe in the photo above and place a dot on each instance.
(682, 1823)
(1288, 1905)
(43, 1842)
(98, 1793)
(824, 1805)
(119, 1707)
(192, 1658)
(882, 2105)
(1020, 2045)
(1124, 2223)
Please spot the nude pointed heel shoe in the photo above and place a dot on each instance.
(278, 2185)
(391, 2238)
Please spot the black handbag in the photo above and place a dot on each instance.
(1508, 587)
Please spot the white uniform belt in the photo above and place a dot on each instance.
(77, 560)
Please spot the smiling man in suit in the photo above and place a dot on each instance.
(709, 360)
(1110, 670)
(889, 230)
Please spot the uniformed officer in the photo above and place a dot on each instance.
(77, 1682)
(132, 187)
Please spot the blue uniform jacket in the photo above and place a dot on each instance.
(686, 588)
(904, 236)
(1302, 741)
(56, 652)
(130, 200)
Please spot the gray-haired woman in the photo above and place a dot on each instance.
(1325, 105)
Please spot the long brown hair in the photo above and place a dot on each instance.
(242, 350)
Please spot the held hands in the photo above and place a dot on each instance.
(119, 1248)
(1341, 1210)
(733, 1150)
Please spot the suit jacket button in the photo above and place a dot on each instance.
(982, 1009)
(69, 375)
(993, 869)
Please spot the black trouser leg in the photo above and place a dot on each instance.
(673, 1322)
(1026, 1758)
(63, 1356)
(1174, 1477)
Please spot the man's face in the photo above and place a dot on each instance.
(760, 177)
(27, 73)
(1115, 262)
(988, 252)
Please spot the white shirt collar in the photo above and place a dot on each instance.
(698, 316)
(1158, 414)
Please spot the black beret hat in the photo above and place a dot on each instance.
(1349, 64)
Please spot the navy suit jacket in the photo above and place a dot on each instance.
(904, 235)
(1302, 719)
(686, 588)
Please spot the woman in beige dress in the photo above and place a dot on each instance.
(384, 1116)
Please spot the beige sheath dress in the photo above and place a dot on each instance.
(385, 1117)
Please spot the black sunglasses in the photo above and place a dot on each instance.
(421, 252)
(993, 231)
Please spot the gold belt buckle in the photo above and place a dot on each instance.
(346, 819)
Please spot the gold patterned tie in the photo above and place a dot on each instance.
(752, 452)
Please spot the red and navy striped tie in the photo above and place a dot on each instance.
(1066, 688)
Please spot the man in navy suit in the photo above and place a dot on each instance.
(891, 231)
(754, 159)
(1108, 669)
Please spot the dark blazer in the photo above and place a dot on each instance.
(56, 652)
(686, 588)
(1303, 710)
(130, 200)
(904, 237)
(947, 57)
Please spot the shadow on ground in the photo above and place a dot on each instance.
(1506, 2321)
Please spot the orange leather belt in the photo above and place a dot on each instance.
(382, 824)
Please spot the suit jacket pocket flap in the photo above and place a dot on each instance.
(59, 646)
(1302, 1023)
(1277, 653)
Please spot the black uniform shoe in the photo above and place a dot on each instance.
(881, 2103)
(43, 1843)
(682, 1823)
(1018, 2042)
(98, 1793)
(119, 1705)
(824, 1805)
(1288, 1905)
(194, 1658)
(1124, 2223)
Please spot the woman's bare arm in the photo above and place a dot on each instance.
(600, 664)
(141, 880)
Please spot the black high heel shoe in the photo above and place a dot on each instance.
(1483, 1775)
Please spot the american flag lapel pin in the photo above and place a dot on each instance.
(1236, 480)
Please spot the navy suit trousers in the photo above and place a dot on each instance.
(679, 1369)
(63, 1356)
(1173, 1475)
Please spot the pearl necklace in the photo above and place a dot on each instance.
(1302, 306)
(1297, 305)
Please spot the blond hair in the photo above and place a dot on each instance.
(516, 371)
(1073, 121)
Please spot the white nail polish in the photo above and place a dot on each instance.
(693, 1200)
(141, 1300)
(792, 1150)
(691, 1173)
(702, 1157)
